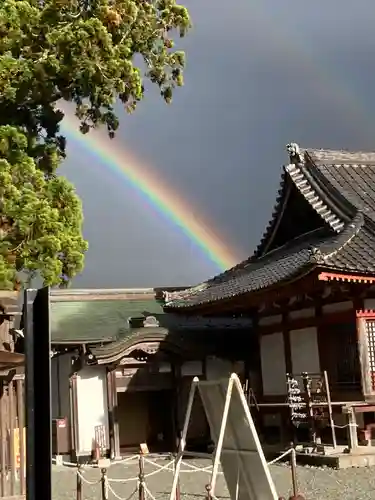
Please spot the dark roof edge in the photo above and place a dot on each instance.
(300, 272)
(282, 198)
(77, 342)
(117, 349)
(330, 195)
(87, 294)
(313, 191)
(336, 243)
(98, 291)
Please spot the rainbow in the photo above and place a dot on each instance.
(170, 204)
(154, 190)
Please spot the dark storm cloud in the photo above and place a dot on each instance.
(259, 75)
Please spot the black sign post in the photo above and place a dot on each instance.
(38, 394)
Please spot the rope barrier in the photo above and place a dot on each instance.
(141, 487)
(165, 467)
(91, 483)
(125, 460)
(160, 467)
(347, 425)
(141, 484)
(148, 492)
(194, 468)
(74, 465)
(277, 459)
(126, 480)
(121, 498)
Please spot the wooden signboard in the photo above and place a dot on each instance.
(310, 402)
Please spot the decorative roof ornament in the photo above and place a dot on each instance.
(150, 321)
(294, 153)
(169, 297)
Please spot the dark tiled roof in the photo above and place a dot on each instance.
(340, 187)
(98, 315)
(352, 175)
(186, 342)
(110, 352)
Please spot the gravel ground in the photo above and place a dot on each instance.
(314, 483)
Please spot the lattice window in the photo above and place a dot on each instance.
(370, 331)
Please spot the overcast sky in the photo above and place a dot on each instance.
(260, 74)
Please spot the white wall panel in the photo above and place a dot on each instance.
(92, 403)
(273, 364)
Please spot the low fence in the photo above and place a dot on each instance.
(13, 438)
(140, 480)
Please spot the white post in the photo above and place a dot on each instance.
(220, 441)
(182, 443)
(352, 430)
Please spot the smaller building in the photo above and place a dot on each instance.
(122, 367)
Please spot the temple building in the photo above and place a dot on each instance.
(309, 288)
(303, 303)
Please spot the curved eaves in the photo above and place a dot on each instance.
(277, 214)
(314, 195)
(113, 352)
(325, 251)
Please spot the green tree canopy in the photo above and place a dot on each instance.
(81, 51)
(40, 224)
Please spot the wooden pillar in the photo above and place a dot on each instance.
(256, 413)
(110, 390)
(321, 335)
(114, 430)
(352, 430)
(258, 357)
(74, 416)
(287, 433)
(287, 346)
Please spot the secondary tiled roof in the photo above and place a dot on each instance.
(101, 318)
(340, 187)
(98, 315)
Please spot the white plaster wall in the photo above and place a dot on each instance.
(304, 349)
(60, 390)
(273, 364)
(92, 406)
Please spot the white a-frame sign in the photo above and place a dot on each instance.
(237, 445)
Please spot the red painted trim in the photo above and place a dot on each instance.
(366, 313)
(353, 278)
